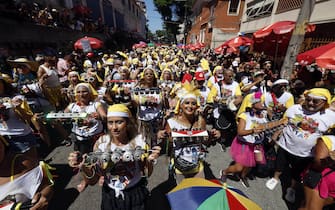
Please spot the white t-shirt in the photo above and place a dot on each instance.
(300, 135)
(250, 123)
(93, 128)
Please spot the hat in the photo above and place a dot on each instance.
(257, 73)
(32, 65)
(118, 110)
(91, 90)
(109, 61)
(280, 82)
(256, 97)
(200, 76)
(320, 93)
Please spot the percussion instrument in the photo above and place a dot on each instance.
(188, 137)
(108, 159)
(62, 115)
(148, 96)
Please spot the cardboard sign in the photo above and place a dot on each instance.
(86, 45)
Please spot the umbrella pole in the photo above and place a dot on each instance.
(276, 55)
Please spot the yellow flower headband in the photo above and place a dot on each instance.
(187, 91)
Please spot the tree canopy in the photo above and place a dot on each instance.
(173, 13)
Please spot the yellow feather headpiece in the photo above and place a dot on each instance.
(204, 64)
(188, 90)
(124, 55)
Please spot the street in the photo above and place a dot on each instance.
(67, 197)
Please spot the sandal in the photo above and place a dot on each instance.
(82, 186)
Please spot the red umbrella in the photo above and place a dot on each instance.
(327, 59)
(94, 42)
(238, 41)
(278, 34)
(80, 9)
(312, 55)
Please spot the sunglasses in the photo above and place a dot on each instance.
(315, 101)
(89, 79)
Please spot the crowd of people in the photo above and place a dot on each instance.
(127, 108)
(77, 18)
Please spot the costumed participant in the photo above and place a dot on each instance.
(257, 83)
(319, 179)
(166, 84)
(200, 81)
(306, 123)
(217, 76)
(248, 141)
(74, 79)
(225, 103)
(277, 100)
(95, 81)
(124, 163)
(23, 71)
(187, 158)
(48, 72)
(149, 99)
(228, 89)
(86, 131)
(15, 118)
(24, 182)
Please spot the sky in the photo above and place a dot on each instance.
(154, 18)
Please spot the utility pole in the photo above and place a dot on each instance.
(297, 38)
(185, 21)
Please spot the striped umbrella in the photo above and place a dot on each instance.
(202, 194)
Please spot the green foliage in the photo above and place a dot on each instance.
(173, 13)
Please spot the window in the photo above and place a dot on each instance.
(259, 9)
(233, 7)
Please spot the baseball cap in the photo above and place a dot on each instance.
(199, 76)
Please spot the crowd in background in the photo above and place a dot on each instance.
(135, 103)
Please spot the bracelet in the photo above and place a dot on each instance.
(90, 177)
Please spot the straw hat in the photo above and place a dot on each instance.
(32, 65)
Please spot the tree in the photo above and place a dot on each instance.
(173, 13)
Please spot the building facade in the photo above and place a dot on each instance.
(261, 13)
(215, 21)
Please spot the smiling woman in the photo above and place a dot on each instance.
(187, 158)
(122, 177)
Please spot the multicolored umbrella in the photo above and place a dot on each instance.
(202, 194)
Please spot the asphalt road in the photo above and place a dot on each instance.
(67, 197)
